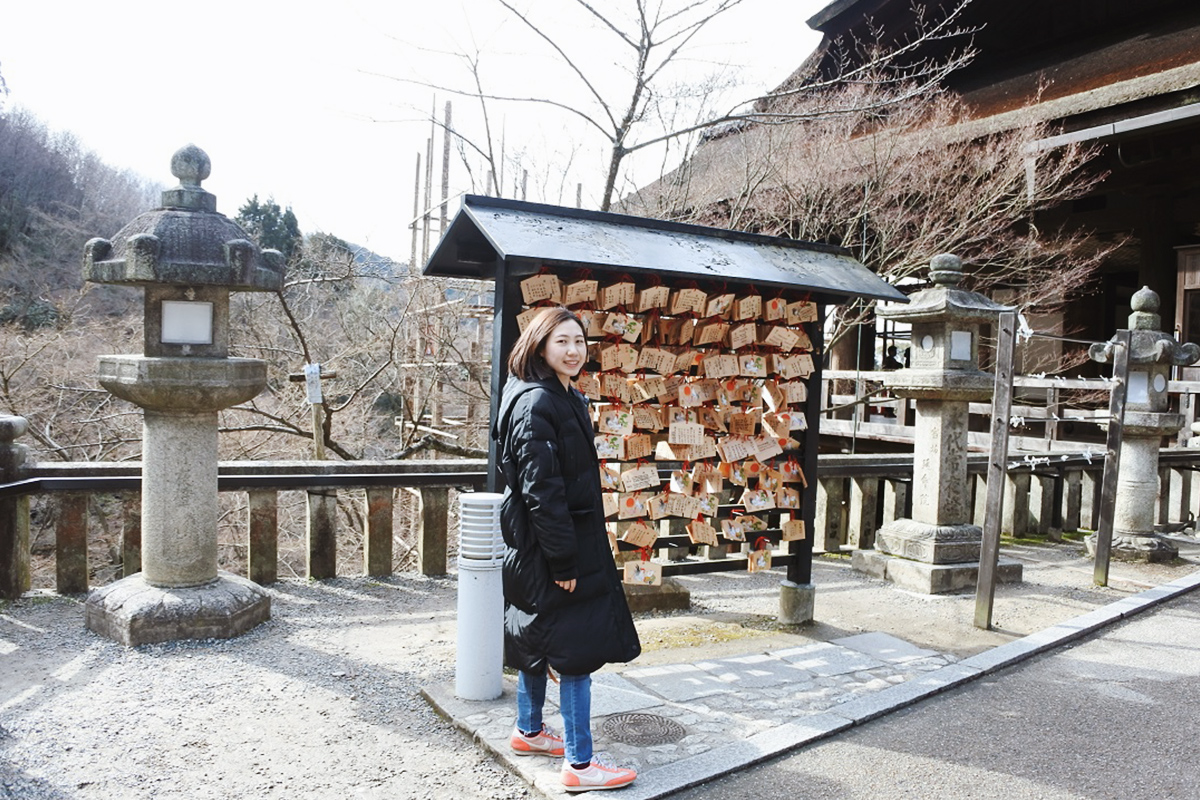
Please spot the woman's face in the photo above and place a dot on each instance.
(565, 350)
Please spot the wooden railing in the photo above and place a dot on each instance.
(859, 408)
(71, 484)
(1047, 493)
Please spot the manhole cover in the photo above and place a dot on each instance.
(643, 729)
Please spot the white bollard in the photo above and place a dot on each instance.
(479, 662)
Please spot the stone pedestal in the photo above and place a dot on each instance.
(932, 544)
(927, 578)
(796, 602)
(134, 612)
(669, 595)
(1133, 537)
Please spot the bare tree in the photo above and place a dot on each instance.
(651, 108)
(400, 347)
(896, 176)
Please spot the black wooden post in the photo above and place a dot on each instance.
(800, 570)
(504, 335)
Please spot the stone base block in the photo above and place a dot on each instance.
(918, 576)
(1148, 548)
(133, 612)
(933, 544)
(667, 596)
(796, 602)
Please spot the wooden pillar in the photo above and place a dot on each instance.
(863, 511)
(262, 559)
(1052, 411)
(70, 544)
(377, 543)
(435, 527)
(504, 335)
(322, 534)
(131, 534)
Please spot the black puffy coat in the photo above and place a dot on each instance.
(552, 517)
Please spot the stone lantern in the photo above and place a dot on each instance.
(1148, 419)
(187, 258)
(938, 549)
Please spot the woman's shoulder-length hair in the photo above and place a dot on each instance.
(526, 361)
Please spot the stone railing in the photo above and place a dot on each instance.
(71, 484)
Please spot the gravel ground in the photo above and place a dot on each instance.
(322, 701)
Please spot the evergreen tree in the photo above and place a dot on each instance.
(271, 226)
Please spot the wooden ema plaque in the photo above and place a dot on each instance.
(699, 399)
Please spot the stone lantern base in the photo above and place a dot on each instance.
(930, 559)
(1149, 548)
(133, 612)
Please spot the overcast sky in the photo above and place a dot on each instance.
(297, 100)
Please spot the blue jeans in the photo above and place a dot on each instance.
(575, 703)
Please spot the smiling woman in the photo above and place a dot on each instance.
(564, 608)
(566, 350)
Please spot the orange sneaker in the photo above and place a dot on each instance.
(544, 743)
(596, 775)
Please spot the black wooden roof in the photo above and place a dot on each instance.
(528, 236)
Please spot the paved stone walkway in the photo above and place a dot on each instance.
(738, 711)
(746, 698)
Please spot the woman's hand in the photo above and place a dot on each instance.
(568, 586)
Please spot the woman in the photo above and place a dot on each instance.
(564, 608)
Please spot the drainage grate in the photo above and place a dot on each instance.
(643, 729)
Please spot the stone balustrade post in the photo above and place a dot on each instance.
(321, 533)
(435, 530)
(1073, 515)
(380, 531)
(14, 511)
(262, 552)
(829, 519)
(863, 507)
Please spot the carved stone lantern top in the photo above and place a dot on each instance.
(1148, 344)
(1152, 353)
(944, 301)
(946, 321)
(185, 242)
